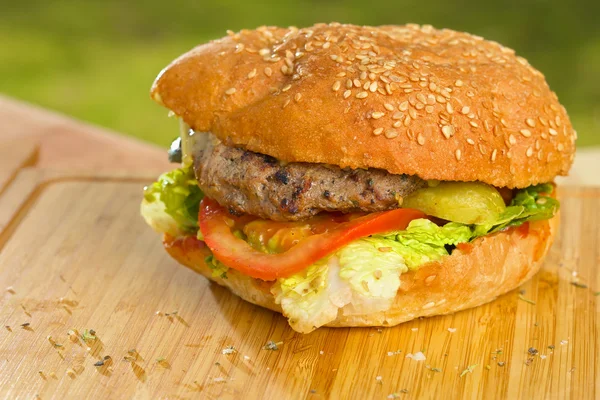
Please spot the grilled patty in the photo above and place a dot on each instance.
(260, 185)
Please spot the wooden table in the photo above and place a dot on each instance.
(75, 255)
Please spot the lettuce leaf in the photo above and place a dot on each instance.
(373, 284)
(423, 241)
(312, 298)
(171, 204)
(530, 204)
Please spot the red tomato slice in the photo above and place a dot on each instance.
(239, 255)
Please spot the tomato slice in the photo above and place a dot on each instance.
(215, 224)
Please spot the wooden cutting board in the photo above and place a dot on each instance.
(76, 255)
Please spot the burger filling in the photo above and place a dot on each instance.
(250, 183)
(331, 240)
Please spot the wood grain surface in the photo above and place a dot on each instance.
(75, 255)
(66, 143)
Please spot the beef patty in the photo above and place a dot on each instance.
(258, 184)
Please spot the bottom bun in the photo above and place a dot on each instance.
(474, 274)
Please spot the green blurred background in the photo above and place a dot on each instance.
(95, 60)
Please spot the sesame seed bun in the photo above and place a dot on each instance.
(413, 100)
(491, 266)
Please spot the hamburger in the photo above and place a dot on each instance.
(360, 176)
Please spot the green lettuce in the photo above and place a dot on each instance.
(373, 284)
(171, 204)
(530, 204)
(423, 241)
(312, 297)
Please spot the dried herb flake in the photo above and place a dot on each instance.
(469, 370)
(88, 335)
(579, 285)
(526, 300)
(271, 345)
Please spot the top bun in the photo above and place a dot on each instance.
(410, 99)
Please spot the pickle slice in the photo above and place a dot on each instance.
(472, 203)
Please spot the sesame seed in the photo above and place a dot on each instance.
(486, 125)
(494, 153)
(377, 131)
(432, 86)
(298, 96)
(388, 107)
(391, 133)
(230, 91)
(421, 97)
(458, 154)
(530, 122)
(420, 139)
(560, 147)
(326, 45)
(503, 122)
(512, 139)
(341, 74)
(558, 121)
(377, 115)
(373, 87)
(333, 57)
(429, 109)
(553, 132)
(407, 120)
(286, 88)
(398, 115)
(268, 71)
(347, 93)
(471, 141)
(403, 106)
(465, 110)
(525, 132)
(529, 152)
(458, 83)
(449, 108)
(264, 52)
(473, 124)
(357, 83)
(397, 124)
(286, 102)
(447, 131)
(252, 73)
(336, 86)
(362, 95)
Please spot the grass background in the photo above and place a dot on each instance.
(96, 60)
